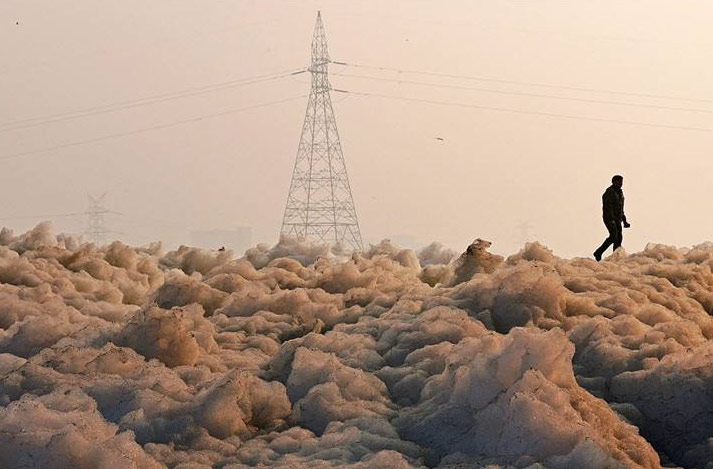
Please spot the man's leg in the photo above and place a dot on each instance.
(618, 235)
(611, 227)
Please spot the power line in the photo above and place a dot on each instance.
(518, 93)
(514, 82)
(146, 129)
(148, 100)
(56, 215)
(47, 216)
(518, 111)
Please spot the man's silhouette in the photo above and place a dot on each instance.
(613, 215)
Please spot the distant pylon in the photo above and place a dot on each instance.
(96, 226)
(524, 227)
(320, 206)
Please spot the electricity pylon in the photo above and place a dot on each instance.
(320, 206)
(96, 226)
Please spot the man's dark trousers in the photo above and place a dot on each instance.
(615, 236)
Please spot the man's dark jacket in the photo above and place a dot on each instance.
(613, 204)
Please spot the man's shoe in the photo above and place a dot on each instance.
(597, 256)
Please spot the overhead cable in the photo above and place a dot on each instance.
(49, 216)
(518, 93)
(515, 82)
(148, 100)
(519, 111)
(145, 129)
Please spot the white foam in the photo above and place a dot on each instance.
(305, 356)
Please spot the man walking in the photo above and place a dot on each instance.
(613, 214)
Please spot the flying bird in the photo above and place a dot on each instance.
(440, 139)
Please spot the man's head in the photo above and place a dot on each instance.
(617, 181)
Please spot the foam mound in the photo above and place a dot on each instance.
(297, 355)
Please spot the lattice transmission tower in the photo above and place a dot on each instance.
(96, 225)
(320, 206)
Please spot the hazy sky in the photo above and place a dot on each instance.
(492, 171)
